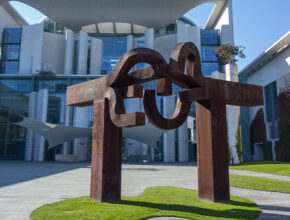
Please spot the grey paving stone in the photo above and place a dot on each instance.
(25, 186)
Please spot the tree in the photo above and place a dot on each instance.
(226, 53)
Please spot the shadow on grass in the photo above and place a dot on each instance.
(233, 213)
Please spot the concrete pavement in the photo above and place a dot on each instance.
(25, 186)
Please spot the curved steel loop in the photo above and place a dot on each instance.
(117, 110)
(186, 54)
(120, 73)
(180, 114)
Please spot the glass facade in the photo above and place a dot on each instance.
(53, 27)
(14, 92)
(10, 50)
(271, 107)
(113, 48)
(209, 41)
(14, 98)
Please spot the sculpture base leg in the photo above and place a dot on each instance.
(106, 156)
(212, 151)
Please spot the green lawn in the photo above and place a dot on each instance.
(259, 183)
(155, 201)
(273, 167)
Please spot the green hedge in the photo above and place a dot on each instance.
(283, 145)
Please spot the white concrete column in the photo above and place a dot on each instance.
(1, 32)
(233, 113)
(186, 33)
(133, 147)
(218, 75)
(149, 38)
(68, 122)
(81, 119)
(183, 143)
(169, 137)
(30, 59)
(96, 56)
(69, 52)
(83, 53)
(130, 42)
(81, 114)
(30, 134)
(41, 115)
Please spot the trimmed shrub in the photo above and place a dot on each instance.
(258, 130)
(282, 147)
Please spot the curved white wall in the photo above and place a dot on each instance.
(165, 44)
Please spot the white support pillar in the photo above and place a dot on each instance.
(30, 57)
(149, 38)
(69, 52)
(68, 70)
(96, 56)
(225, 25)
(130, 42)
(186, 33)
(133, 147)
(68, 122)
(169, 137)
(233, 113)
(81, 119)
(183, 143)
(30, 134)
(81, 114)
(41, 115)
(83, 53)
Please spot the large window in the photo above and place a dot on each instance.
(271, 107)
(10, 50)
(53, 27)
(113, 48)
(209, 41)
(12, 35)
(271, 102)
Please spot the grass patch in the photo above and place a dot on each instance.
(272, 167)
(155, 201)
(259, 183)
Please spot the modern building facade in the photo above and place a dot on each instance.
(272, 71)
(83, 42)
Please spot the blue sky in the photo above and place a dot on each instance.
(257, 23)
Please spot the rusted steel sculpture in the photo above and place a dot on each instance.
(107, 94)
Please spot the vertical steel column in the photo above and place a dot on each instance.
(212, 151)
(106, 156)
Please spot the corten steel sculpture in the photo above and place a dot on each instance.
(211, 95)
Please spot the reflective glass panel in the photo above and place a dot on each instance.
(208, 68)
(12, 35)
(271, 102)
(113, 48)
(209, 37)
(10, 52)
(8, 67)
(56, 108)
(15, 85)
(208, 53)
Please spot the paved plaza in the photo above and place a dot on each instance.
(25, 186)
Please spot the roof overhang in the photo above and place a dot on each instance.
(75, 14)
(215, 14)
(12, 12)
(273, 51)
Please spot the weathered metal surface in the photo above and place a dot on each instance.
(107, 94)
(106, 155)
